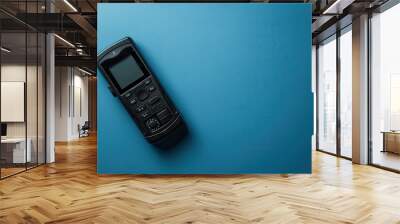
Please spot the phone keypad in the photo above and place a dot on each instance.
(149, 105)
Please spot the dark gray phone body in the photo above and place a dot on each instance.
(140, 92)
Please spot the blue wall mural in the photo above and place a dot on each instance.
(239, 73)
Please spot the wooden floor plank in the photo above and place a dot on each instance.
(70, 191)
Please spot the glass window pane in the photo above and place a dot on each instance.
(22, 90)
(346, 94)
(31, 97)
(41, 98)
(14, 153)
(327, 96)
(32, 88)
(385, 88)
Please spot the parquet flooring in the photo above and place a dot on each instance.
(70, 191)
(10, 171)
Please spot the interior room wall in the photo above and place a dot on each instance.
(71, 102)
(92, 98)
(61, 103)
(16, 72)
(80, 109)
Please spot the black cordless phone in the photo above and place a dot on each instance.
(135, 85)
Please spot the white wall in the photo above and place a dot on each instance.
(80, 109)
(13, 101)
(61, 103)
(71, 102)
(14, 72)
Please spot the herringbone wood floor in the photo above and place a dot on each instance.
(70, 191)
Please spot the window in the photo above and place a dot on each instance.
(335, 94)
(327, 95)
(346, 92)
(22, 77)
(385, 89)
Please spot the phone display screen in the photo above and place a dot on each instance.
(126, 71)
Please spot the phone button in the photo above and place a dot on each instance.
(148, 81)
(164, 116)
(142, 95)
(154, 100)
(151, 88)
(159, 106)
(140, 108)
(145, 114)
(132, 101)
(153, 124)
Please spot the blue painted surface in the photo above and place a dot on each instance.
(239, 73)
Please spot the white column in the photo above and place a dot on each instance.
(50, 99)
(360, 90)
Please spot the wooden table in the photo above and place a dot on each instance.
(391, 141)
